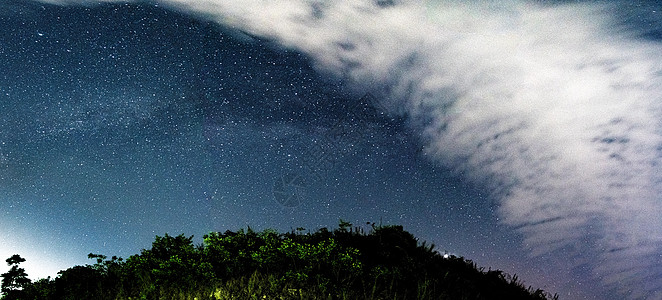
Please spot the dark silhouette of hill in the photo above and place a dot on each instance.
(347, 263)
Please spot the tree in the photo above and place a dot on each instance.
(15, 279)
(173, 265)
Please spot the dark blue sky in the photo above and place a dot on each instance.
(122, 122)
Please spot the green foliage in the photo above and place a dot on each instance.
(172, 266)
(347, 263)
(41, 289)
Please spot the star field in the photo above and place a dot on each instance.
(122, 122)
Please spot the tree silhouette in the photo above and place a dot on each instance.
(15, 279)
(379, 262)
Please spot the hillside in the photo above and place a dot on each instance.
(347, 263)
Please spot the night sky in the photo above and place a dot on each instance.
(122, 121)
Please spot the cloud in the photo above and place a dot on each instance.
(554, 108)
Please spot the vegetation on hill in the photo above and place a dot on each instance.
(346, 263)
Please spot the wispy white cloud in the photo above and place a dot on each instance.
(555, 108)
